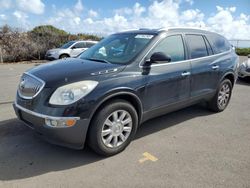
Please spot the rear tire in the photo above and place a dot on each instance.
(222, 97)
(113, 128)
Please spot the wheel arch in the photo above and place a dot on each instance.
(230, 76)
(123, 95)
(63, 54)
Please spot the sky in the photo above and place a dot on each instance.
(230, 18)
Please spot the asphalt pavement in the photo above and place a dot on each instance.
(192, 147)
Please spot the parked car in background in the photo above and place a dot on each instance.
(244, 69)
(127, 78)
(70, 49)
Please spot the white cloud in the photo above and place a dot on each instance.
(158, 14)
(123, 11)
(79, 7)
(5, 4)
(191, 2)
(192, 14)
(69, 19)
(138, 9)
(232, 27)
(93, 14)
(77, 20)
(232, 9)
(22, 19)
(31, 6)
(3, 17)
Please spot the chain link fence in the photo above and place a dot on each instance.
(240, 43)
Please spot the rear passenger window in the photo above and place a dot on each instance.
(209, 49)
(171, 46)
(197, 46)
(219, 43)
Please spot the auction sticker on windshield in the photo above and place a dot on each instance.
(144, 36)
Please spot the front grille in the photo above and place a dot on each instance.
(30, 86)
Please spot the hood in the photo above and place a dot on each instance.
(70, 70)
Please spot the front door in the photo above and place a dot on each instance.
(168, 82)
(77, 49)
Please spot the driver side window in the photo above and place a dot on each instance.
(171, 46)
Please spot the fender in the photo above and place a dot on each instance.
(120, 92)
(230, 72)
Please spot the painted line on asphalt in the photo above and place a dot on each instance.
(148, 156)
(7, 102)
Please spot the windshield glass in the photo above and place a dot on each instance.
(67, 45)
(118, 48)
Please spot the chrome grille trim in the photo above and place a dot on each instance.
(37, 88)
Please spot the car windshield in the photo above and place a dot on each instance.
(67, 45)
(118, 48)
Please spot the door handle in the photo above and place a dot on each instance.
(185, 73)
(215, 67)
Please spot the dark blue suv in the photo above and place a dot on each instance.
(103, 95)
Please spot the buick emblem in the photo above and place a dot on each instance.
(22, 83)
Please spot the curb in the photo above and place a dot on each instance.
(7, 102)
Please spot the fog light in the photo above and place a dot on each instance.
(60, 123)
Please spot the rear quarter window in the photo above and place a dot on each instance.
(219, 43)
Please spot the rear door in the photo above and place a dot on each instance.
(204, 72)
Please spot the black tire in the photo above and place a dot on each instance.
(63, 56)
(95, 138)
(214, 104)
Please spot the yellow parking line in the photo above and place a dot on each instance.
(148, 156)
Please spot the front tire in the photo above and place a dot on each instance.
(113, 128)
(63, 56)
(222, 97)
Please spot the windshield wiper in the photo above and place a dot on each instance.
(98, 60)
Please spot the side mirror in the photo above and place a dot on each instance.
(73, 47)
(233, 47)
(159, 57)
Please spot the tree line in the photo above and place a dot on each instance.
(16, 45)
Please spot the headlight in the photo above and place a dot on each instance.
(71, 93)
(244, 65)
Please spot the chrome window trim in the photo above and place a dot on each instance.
(184, 61)
(41, 88)
(42, 115)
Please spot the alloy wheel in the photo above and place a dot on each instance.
(224, 95)
(116, 128)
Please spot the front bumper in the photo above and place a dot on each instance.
(51, 57)
(72, 137)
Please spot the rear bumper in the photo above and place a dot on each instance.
(72, 137)
(243, 74)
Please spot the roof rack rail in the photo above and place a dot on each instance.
(170, 28)
(144, 29)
